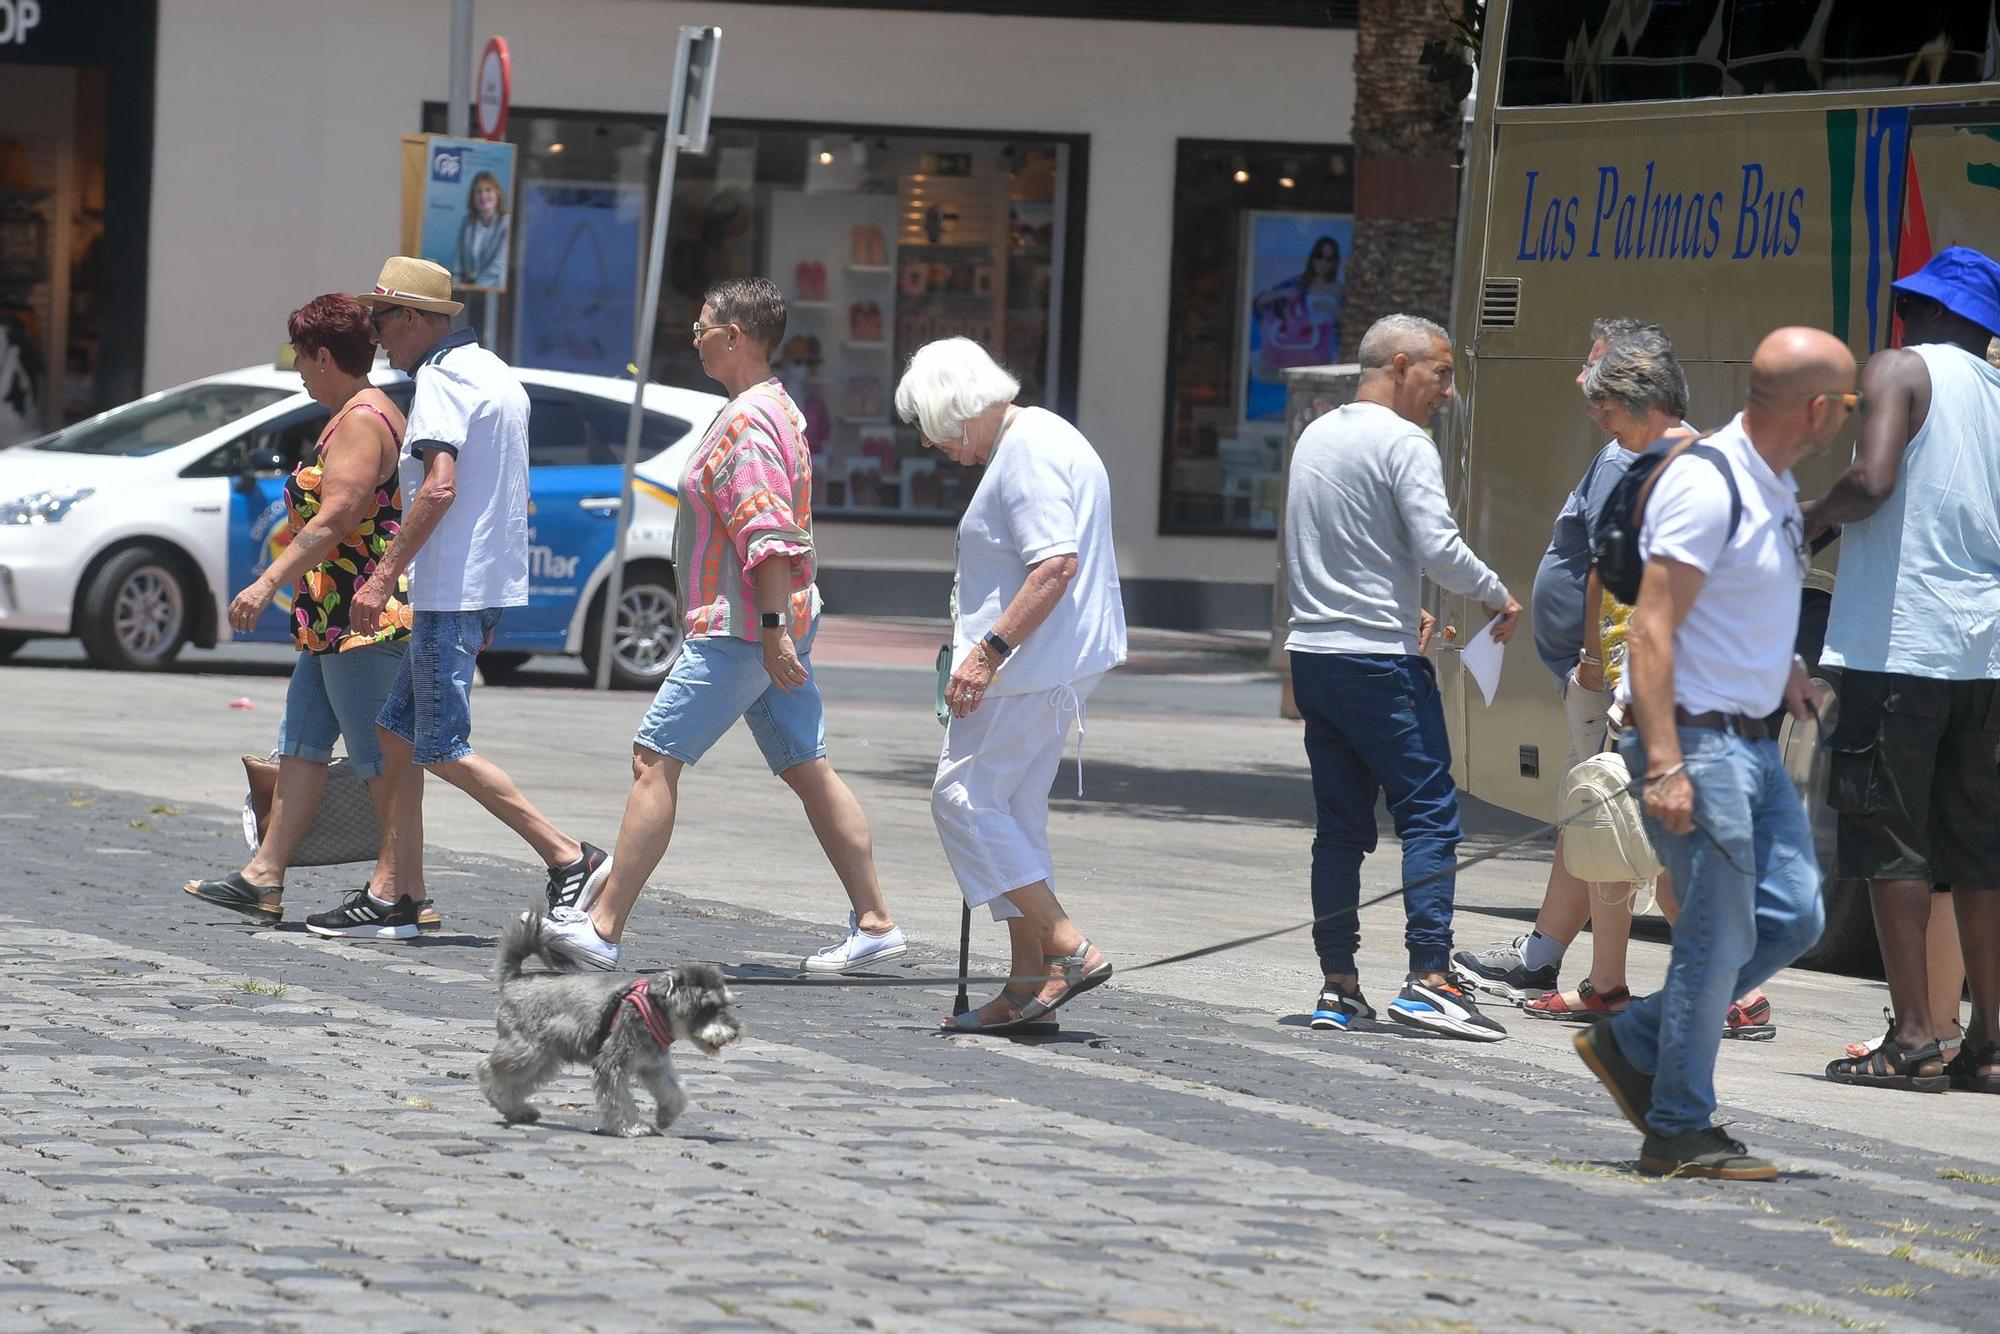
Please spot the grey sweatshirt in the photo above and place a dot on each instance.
(1365, 520)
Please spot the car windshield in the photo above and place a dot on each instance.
(149, 426)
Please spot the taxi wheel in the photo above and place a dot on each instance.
(137, 613)
(648, 628)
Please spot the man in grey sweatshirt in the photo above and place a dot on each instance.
(1365, 520)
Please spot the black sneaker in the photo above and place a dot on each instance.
(1708, 1152)
(1445, 1009)
(362, 918)
(1499, 969)
(1338, 1011)
(1630, 1087)
(575, 885)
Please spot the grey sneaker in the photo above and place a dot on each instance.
(1708, 1152)
(1498, 969)
(1630, 1087)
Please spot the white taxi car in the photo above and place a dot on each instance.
(133, 530)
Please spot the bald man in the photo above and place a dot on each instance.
(1709, 658)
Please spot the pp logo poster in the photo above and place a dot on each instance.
(468, 206)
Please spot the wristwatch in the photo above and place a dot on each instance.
(772, 620)
(998, 647)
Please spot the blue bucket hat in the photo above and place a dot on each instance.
(1963, 281)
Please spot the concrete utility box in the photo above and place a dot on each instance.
(1310, 393)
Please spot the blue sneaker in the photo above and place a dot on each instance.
(1337, 1010)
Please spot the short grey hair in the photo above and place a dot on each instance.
(948, 383)
(1409, 334)
(754, 305)
(1608, 329)
(1639, 372)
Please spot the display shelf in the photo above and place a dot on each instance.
(810, 305)
(871, 268)
(864, 347)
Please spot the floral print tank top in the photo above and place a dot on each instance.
(321, 597)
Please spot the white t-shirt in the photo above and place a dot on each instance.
(1045, 493)
(1733, 653)
(468, 403)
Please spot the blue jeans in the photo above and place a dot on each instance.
(716, 679)
(430, 706)
(339, 695)
(1375, 726)
(1748, 884)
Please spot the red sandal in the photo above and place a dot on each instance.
(1592, 1005)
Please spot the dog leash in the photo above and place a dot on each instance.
(1203, 951)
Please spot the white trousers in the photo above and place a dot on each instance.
(991, 795)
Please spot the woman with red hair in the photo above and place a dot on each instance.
(343, 510)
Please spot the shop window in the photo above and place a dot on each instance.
(881, 240)
(1261, 239)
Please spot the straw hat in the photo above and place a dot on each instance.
(416, 283)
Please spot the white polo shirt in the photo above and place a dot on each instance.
(1733, 653)
(468, 404)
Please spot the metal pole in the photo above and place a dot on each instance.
(649, 310)
(458, 110)
(964, 1002)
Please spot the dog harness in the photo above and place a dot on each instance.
(639, 996)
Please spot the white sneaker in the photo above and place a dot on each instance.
(569, 931)
(858, 950)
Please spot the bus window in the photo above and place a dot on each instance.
(1589, 51)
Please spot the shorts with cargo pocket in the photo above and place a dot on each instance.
(1914, 776)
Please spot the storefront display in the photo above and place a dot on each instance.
(1261, 239)
(880, 240)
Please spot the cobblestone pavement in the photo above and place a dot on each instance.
(208, 1126)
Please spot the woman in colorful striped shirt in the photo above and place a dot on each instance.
(744, 552)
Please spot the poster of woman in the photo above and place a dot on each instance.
(468, 189)
(1294, 288)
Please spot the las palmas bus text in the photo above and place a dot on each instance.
(1663, 224)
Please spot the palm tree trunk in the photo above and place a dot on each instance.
(1406, 144)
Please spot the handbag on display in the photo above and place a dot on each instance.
(1608, 845)
(344, 828)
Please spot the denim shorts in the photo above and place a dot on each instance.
(338, 695)
(719, 678)
(430, 706)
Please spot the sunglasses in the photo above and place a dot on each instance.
(375, 320)
(1853, 402)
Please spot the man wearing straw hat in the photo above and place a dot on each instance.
(465, 542)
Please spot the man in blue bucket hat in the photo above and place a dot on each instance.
(1915, 630)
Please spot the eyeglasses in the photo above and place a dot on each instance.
(1851, 401)
(1795, 537)
(375, 320)
(703, 330)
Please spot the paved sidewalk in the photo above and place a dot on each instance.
(209, 1126)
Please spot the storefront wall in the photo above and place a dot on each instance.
(276, 178)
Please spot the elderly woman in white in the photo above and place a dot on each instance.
(1037, 622)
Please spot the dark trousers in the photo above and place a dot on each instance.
(1375, 726)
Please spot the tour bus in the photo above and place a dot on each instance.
(1720, 167)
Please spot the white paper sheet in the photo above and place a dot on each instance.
(1482, 657)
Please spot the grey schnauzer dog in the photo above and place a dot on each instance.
(620, 1027)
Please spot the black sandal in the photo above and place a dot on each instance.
(235, 893)
(1891, 1066)
(1963, 1069)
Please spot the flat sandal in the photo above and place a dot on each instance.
(1075, 981)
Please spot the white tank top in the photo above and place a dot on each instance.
(1918, 589)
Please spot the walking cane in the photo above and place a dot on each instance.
(964, 953)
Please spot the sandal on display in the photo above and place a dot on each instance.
(1963, 1069)
(1891, 1066)
(1592, 1004)
(235, 893)
(1074, 978)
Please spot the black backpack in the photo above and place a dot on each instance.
(1614, 530)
